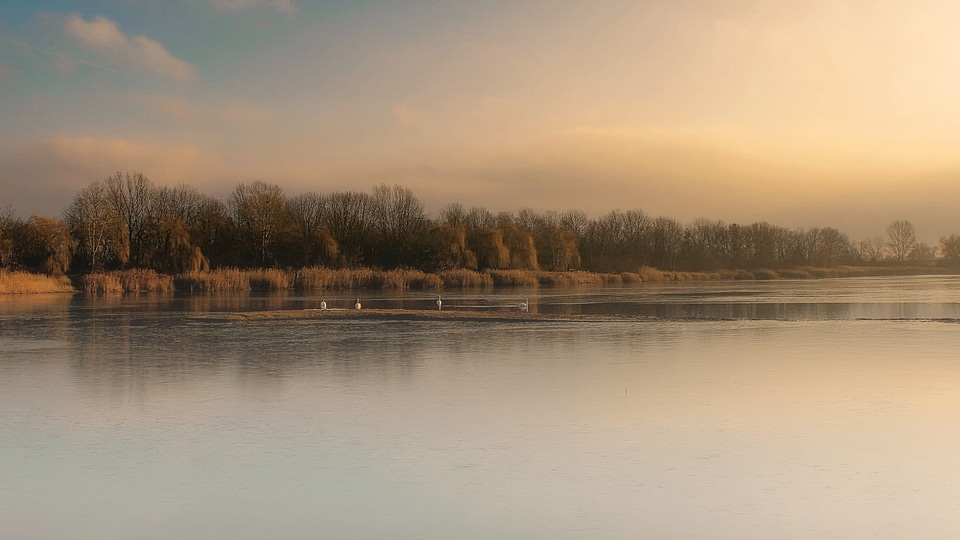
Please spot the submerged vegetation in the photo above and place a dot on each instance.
(125, 234)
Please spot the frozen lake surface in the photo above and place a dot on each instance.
(784, 409)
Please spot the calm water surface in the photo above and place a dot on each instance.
(807, 409)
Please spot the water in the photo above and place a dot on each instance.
(807, 409)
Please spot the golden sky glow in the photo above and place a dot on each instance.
(829, 113)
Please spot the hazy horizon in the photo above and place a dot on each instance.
(817, 114)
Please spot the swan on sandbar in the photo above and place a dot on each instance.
(439, 303)
(357, 305)
(524, 306)
(323, 304)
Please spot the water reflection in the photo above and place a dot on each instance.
(737, 412)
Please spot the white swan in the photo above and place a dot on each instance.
(357, 305)
(323, 304)
(439, 303)
(524, 306)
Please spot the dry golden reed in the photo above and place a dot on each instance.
(765, 274)
(514, 278)
(269, 279)
(27, 283)
(462, 278)
(221, 280)
(127, 281)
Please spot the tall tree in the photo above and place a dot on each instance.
(399, 221)
(313, 242)
(348, 220)
(90, 220)
(47, 245)
(950, 249)
(129, 197)
(260, 213)
(8, 222)
(901, 238)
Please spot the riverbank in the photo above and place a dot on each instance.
(323, 279)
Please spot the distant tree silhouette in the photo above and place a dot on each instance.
(950, 249)
(901, 238)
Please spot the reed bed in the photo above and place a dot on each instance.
(649, 273)
(269, 279)
(28, 283)
(462, 278)
(566, 279)
(220, 280)
(765, 274)
(612, 279)
(513, 278)
(403, 278)
(322, 278)
(126, 281)
(318, 278)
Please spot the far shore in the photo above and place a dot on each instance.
(365, 279)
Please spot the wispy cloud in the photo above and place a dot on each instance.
(183, 109)
(283, 6)
(138, 52)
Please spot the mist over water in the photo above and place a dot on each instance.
(807, 409)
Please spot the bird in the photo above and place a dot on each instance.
(524, 306)
(439, 303)
(323, 304)
(357, 305)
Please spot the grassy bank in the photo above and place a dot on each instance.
(26, 283)
(322, 279)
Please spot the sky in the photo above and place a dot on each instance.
(816, 113)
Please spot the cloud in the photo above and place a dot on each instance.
(283, 6)
(43, 176)
(182, 109)
(138, 52)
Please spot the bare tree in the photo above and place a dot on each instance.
(454, 215)
(950, 249)
(315, 244)
(129, 197)
(348, 220)
(871, 250)
(667, 242)
(90, 222)
(901, 238)
(260, 213)
(8, 221)
(922, 252)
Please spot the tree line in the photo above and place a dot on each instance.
(126, 221)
